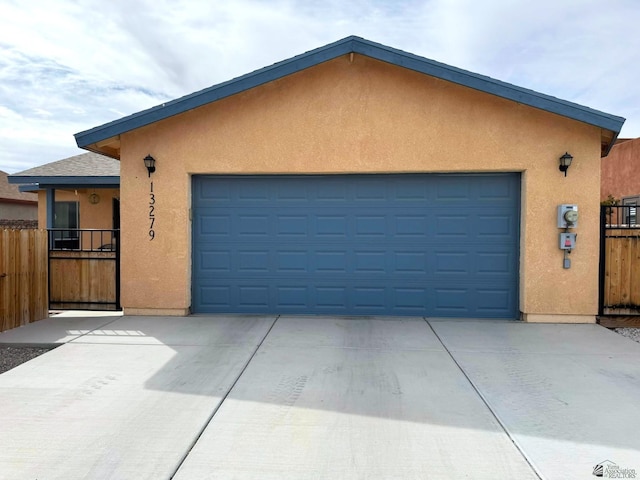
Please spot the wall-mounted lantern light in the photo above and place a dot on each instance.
(565, 162)
(150, 163)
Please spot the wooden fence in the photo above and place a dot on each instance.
(621, 272)
(23, 277)
(83, 280)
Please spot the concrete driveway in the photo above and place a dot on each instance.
(266, 397)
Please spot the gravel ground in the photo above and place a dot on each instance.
(11, 357)
(632, 333)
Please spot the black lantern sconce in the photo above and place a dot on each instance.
(565, 162)
(150, 163)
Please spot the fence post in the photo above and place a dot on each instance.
(603, 259)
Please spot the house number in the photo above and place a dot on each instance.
(152, 216)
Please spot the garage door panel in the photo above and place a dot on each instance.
(494, 302)
(411, 227)
(453, 263)
(496, 191)
(252, 226)
(292, 297)
(292, 225)
(451, 189)
(370, 188)
(451, 225)
(218, 226)
(293, 261)
(330, 298)
(217, 262)
(214, 296)
(367, 226)
(406, 190)
(369, 300)
(253, 190)
(253, 261)
(330, 261)
(407, 262)
(495, 263)
(452, 301)
(495, 226)
(408, 299)
(370, 262)
(385, 244)
(331, 226)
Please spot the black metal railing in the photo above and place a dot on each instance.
(85, 240)
(620, 216)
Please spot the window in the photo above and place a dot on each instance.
(67, 215)
(630, 213)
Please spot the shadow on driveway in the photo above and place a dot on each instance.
(313, 397)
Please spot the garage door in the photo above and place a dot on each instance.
(427, 245)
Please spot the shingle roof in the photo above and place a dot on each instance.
(88, 139)
(83, 165)
(11, 192)
(86, 169)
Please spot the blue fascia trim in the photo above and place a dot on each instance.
(334, 50)
(29, 188)
(76, 186)
(78, 182)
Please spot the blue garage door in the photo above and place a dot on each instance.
(427, 245)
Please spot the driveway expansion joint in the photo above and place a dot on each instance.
(221, 402)
(484, 400)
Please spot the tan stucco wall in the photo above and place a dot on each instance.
(363, 116)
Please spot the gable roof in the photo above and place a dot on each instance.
(86, 169)
(12, 194)
(611, 123)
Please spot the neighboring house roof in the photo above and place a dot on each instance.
(12, 194)
(86, 169)
(99, 138)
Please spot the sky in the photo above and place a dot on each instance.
(70, 65)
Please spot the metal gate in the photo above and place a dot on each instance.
(619, 261)
(84, 269)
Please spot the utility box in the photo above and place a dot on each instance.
(567, 216)
(568, 241)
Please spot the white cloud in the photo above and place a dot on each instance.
(67, 66)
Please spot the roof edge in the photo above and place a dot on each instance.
(19, 202)
(352, 44)
(107, 180)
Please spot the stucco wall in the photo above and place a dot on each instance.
(99, 215)
(363, 116)
(620, 171)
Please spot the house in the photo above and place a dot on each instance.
(79, 192)
(357, 179)
(17, 209)
(620, 177)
